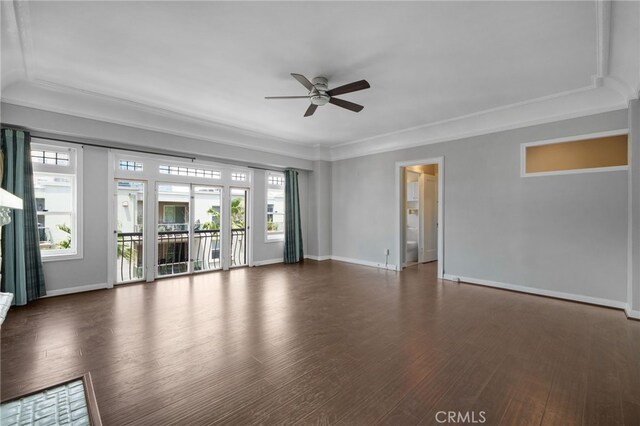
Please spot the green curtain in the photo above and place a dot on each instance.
(293, 230)
(21, 263)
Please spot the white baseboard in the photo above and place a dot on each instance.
(363, 262)
(540, 292)
(78, 289)
(318, 258)
(268, 261)
(631, 313)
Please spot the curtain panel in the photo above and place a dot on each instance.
(293, 228)
(21, 271)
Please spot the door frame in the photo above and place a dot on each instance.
(424, 178)
(399, 222)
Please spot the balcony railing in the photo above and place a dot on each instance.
(173, 252)
(238, 247)
(206, 249)
(129, 256)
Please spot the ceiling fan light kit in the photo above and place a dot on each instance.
(319, 93)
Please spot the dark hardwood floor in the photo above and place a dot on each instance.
(328, 343)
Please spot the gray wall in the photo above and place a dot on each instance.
(92, 268)
(319, 241)
(561, 233)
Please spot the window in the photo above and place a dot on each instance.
(132, 166)
(45, 156)
(275, 207)
(189, 171)
(239, 176)
(597, 153)
(55, 180)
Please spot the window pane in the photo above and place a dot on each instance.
(129, 165)
(50, 157)
(54, 202)
(584, 154)
(56, 232)
(275, 206)
(189, 171)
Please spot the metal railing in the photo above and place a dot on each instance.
(130, 256)
(173, 252)
(238, 247)
(206, 249)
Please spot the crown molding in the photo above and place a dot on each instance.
(61, 99)
(563, 106)
(571, 104)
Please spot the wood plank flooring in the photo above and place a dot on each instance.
(328, 343)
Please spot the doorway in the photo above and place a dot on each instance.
(419, 224)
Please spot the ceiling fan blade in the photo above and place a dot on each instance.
(348, 88)
(310, 110)
(286, 97)
(304, 81)
(346, 104)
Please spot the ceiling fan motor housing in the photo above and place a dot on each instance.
(319, 94)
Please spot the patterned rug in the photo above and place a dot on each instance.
(62, 404)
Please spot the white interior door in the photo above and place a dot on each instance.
(429, 225)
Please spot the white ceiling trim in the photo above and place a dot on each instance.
(89, 105)
(22, 17)
(574, 104)
(603, 32)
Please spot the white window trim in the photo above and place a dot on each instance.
(270, 238)
(577, 138)
(75, 167)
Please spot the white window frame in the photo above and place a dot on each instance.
(524, 146)
(152, 177)
(271, 238)
(74, 169)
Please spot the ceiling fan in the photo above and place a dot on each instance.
(320, 95)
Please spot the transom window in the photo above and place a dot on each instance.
(239, 176)
(189, 171)
(132, 166)
(53, 157)
(273, 179)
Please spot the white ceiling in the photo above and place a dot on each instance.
(427, 62)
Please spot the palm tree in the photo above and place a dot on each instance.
(237, 215)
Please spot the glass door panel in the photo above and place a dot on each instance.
(238, 218)
(130, 212)
(173, 228)
(205, 249)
